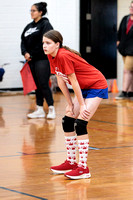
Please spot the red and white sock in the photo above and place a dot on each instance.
(83, 146)
(71, 143)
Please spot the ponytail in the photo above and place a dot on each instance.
(71, 50)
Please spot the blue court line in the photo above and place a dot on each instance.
(93, 148)
(42, 153)
(9, 156)
(26, 154)
(23, 193)
(115, 147)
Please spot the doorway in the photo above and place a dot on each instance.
(98, 35)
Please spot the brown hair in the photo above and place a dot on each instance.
(56, 36)
(42, 6)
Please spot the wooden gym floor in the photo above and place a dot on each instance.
(28, 147)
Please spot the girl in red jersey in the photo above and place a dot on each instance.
(89, 86)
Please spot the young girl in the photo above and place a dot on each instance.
(89, 86)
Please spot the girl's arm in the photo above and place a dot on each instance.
(84, 113)
(76, 88)
(62, 85)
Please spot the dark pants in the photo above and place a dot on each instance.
(41, 72)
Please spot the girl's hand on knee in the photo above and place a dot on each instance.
(84, 113)
(70, 110)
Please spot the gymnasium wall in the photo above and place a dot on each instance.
(14, 15)
(64, 16)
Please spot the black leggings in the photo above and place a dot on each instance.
(41, 72)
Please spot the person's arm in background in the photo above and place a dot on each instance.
(23, 48)
(119, 32)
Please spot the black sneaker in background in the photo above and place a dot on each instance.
(130, 95)
(122, 95)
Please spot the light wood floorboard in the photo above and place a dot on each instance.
(28, 147)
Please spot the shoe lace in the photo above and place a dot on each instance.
(68, 161)
(75, 167)
(51, 111)
(65, 161)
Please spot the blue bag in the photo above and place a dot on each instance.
(2, 71)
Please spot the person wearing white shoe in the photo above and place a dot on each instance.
(51, 113)
(90, 87)
(32, 50)
(125, 48)
(38, 113)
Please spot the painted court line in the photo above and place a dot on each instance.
(23, 193)
(43, 153)
(93, 148)
(116, 147)
(28, 154)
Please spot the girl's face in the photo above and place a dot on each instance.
(35, 14)
(50, 47)
(131, 9)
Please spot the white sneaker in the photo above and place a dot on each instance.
(39, 113)
(51, 113)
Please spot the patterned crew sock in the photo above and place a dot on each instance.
(71, 143)
(83, 146)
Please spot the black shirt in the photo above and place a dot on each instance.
(126, 40)
(31, 38)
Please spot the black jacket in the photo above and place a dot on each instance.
(126, 40)
(31, 38)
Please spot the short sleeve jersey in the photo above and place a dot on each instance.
(66, 63)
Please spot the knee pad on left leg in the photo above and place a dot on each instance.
(68, 124)
(81, 127)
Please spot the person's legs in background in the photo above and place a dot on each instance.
(42, 70)
(127, 91)
(130, 89)
(39, 112)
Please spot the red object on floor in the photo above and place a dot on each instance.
(114, 87)
(50, 84)
(27, 79)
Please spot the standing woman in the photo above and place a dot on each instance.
(125, 47)
(89, 86)
(31, 48)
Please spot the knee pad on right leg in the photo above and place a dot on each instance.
(81, 127)
(68, 124)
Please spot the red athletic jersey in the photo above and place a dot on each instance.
(66, 63)
(129, 25)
